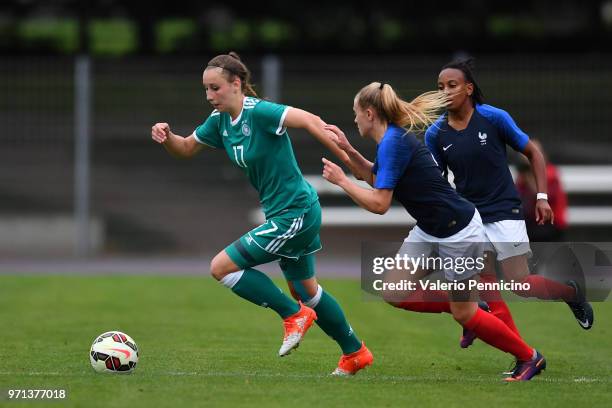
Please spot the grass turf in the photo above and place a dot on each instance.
(203, 346)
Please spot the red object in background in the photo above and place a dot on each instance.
(556, 197)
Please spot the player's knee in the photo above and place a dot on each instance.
(516, 275)
(515, 268)
(217, 268)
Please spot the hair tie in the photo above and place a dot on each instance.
(382, 84)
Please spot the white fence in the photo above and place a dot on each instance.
(575, 179)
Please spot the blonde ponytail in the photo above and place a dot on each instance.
(416, 115)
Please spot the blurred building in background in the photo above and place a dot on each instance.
(107, 71)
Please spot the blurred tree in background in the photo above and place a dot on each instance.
(115, 28)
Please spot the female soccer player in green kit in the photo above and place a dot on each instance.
(254, 134)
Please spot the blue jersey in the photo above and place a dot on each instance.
(404, 165)
(477, 158)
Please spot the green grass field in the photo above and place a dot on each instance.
(203, 346)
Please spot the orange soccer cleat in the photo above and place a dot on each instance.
(349, 364)
(296, 327)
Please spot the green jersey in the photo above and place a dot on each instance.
(259, 145)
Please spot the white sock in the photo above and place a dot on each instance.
(231, 279)
(312, 303)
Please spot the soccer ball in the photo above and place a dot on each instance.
(114, 352)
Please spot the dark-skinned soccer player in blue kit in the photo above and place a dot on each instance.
(470, 140)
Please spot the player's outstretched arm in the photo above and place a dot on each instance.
(178, 146)
(301, 119)
(377, 201)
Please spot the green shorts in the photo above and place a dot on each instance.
(292, 240)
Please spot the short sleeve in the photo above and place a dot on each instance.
(431, 141)
(511, 134)
(208, 132)
(393, 156)
(270, 117)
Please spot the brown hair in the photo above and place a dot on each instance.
(233, 67)
(416, 115)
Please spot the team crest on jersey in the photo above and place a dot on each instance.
(483, 138)
(246, 129)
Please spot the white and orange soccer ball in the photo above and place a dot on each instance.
(114, 352)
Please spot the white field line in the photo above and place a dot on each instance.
(393, 378)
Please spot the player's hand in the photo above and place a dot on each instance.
(339, 137)
(332, 172)
(543, 213)
(160, 132)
